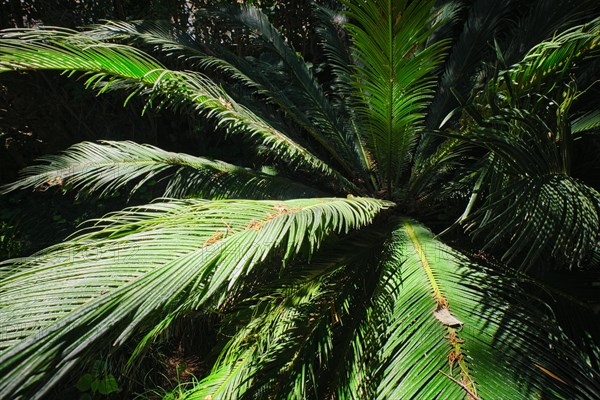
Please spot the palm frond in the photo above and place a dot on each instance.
(310, 106)
(158, 34)
(191, 51)
(532, 206)
(522, 118)
(263, 350)
(587, 122)
(543, 20)
(553, 216)
(466, 343)
(393, 77)
(549, 61)
(402, 317)
(330, 27)
(285, 334)
(137, 266)
(469, 49)
(108, 166)
(112, 66)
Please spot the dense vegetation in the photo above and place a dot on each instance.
(414, 214)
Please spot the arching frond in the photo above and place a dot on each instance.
(159, 34)
(264, 79)
(473, 42)
(309, 105)
(330, 25)
(532, 206)
(113, 66)
(552, 215)
(466, 54)
(543, 20)
(108, 166)
(139, 265)
(549, 61)
(189, 50)
(266, 349)
(466, 344)
(393, 77)
(402, 317)
(295, 328)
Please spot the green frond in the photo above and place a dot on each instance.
(108, 166)
(183, 47)
(439, 327)
(466, 54)
(531, 206)
(330, 28)
(544, 62)
(110, 66)
(393, 78)
(587, 122)
(427, 174)
(549, 61)
(139, 265)
(285, 333)
(467, 344)
(266, 347)
(543, 19)
(402, 317)
(330, 25)
(158, 34)
(543, 216)
(311, 107)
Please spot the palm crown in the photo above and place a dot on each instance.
(325, 283)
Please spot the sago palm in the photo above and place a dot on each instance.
(323, 277)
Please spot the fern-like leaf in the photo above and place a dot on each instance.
(108, 166)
